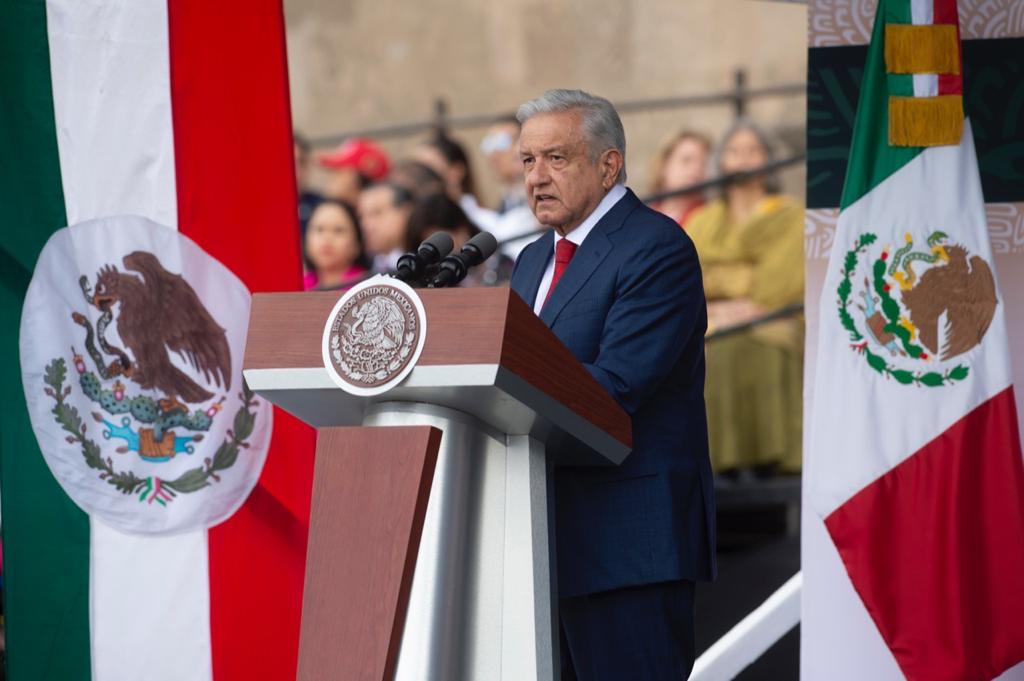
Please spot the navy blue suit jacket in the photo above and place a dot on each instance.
(630, 306)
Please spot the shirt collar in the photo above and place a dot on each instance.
(580, 233)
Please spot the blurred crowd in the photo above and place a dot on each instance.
(370, 209)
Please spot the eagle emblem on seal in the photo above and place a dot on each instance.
(379, 327)
(374, 334)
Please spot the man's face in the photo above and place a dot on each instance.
(383, 222)
(343, 184)
(502, 141)
(563, 184)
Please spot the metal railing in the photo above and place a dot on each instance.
(738, 97)
(753, 636)
(722, 180)
(719, 181)
(781, 313)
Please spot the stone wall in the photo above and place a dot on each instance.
(364, 63)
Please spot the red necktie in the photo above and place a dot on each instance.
(564, 250)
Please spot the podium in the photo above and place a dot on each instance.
(430, 548)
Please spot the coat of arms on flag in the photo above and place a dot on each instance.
(913, 311)
(131, 349)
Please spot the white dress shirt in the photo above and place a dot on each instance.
(576, 236)
(483, 218)
(512, 223)
(386, 262)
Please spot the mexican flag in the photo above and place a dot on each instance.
(914, 459)
(159, 130)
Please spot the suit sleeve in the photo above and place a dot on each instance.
(659, 305)
(519, 259)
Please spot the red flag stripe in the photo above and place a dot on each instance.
(945, 12)
(933, 549)
(236, 198)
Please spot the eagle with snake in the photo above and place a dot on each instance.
(159, 313)
(963, 294)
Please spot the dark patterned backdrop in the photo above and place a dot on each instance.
(994, 78)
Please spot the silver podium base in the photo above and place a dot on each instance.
(482, 602)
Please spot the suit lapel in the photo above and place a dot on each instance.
(590, 255)
(533, 265)
(588, 258)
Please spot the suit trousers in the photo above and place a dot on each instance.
(640, 633)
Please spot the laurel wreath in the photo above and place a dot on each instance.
(156, 489)
(379, 375)
(891, 310)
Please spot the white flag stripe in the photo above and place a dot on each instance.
(926, 84)
(149, 606)
(110, 73)
(922, 11)
(840, 467)
(110, 69)
(846, 643)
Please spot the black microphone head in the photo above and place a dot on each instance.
(435, 247)
(454, 268)
(482, 246)
(408, 267)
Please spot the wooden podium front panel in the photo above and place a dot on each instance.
(464, 326)
(370, 493)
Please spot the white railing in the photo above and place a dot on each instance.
(756, 633)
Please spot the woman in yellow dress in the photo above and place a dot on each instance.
(750, 243)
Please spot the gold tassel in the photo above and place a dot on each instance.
(927, 48)
(925, 121)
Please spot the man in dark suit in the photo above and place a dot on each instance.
(620, 285)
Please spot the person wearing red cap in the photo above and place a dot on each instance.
(354, 164)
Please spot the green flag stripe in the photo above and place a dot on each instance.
(45, 535)
(872, 160)
(898, 84)
(897, 12)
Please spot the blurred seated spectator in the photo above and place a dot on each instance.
(516, 222)
(334, 247)
(501, 147)
(750, 243)
(384, 210)
(353, 165)
(439, 213)
(419, 178)
(449, 160)
(308, 199)
(681, 163)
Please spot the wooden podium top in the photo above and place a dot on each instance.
(486, 353)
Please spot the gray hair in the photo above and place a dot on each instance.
(601, 124)
(771, 184)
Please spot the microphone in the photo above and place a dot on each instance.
(412, 266)
(454, 268)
